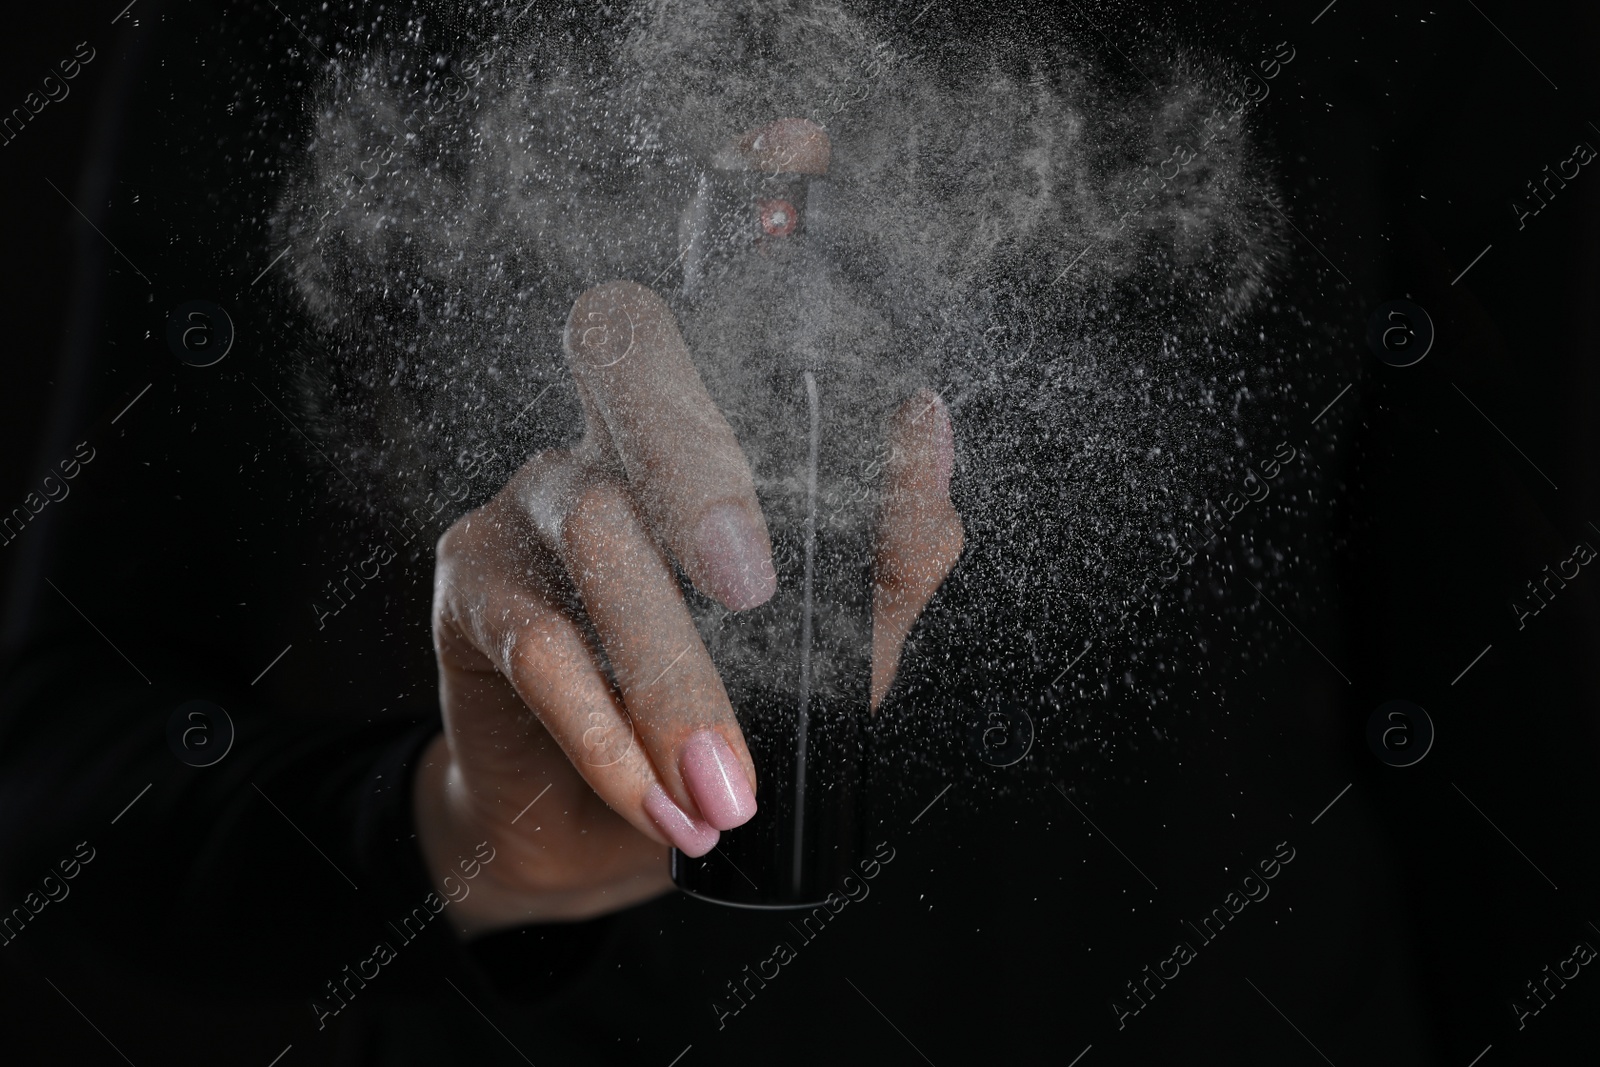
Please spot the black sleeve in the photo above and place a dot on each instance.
(292, 854)
(287, 870)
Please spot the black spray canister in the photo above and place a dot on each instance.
(805, 372)
(798, 670)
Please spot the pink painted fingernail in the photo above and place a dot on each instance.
(691, 836)
(734, 567)
(717, 781)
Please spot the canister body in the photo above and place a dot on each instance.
(798, 672)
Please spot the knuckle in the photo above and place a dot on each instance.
(597, 507)
(452, 543)
(447, 552)
(456, 548)
(543, 491)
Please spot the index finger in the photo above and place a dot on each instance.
(679, 455)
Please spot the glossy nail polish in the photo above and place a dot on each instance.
(689, 835)
(734, 566)
(718, 783)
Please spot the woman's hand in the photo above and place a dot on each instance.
(617, 772)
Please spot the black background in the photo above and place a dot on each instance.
(1408, 920)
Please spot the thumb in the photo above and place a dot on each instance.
(919, 533)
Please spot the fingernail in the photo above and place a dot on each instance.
(689, 835)
(717, 781)
(944, 443)
(734, 568)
